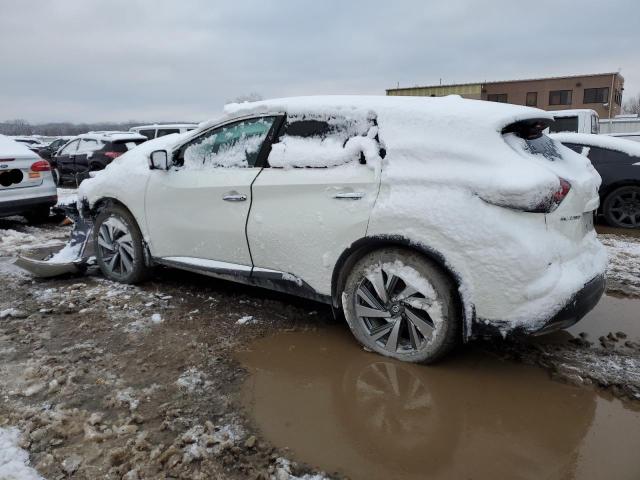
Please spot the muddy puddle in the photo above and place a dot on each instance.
(612, 314)
(344, 410)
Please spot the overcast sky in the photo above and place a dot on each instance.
(117, 60)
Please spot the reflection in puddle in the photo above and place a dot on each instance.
(473, 416)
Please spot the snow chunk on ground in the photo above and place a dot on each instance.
(14, 461)
(246, 320)
(191, 380)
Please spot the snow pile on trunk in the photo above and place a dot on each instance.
(14, 461)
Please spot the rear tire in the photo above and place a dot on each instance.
(621, 208)
(120, 250)
(402, 305)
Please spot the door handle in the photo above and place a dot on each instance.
(234, 197)
(349, 195)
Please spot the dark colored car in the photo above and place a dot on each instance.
(50, 150)
(91, 152)
(618, 163)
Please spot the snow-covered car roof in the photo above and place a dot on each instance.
(440, 109)
(11, 149)
(109, 136)
(602, 141)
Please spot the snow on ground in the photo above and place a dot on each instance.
(67, 196)
(14, 461)
(623, 272)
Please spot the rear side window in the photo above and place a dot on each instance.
(88, 145)
(150, 134)
(322, 141)
(595, 125)
(564, 124)
(167, 131)
(599, 155)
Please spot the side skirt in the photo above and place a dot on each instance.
(259, 277)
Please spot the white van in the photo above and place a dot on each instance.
(583, 120)
(156, 130)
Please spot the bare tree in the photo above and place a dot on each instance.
(250, 97)
(632, 105)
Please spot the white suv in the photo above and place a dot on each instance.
(426, 221)
(26, 184)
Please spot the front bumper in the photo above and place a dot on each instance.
(580, 304)
(16, 207)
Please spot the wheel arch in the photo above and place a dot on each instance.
(99, 205)
(363, 246)
(628, 182)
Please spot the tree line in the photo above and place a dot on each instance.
(59, 129)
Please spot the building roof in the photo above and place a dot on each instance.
(505, 81)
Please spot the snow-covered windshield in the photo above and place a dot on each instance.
(234, 145)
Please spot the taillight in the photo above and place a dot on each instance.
(40, 166)
(555, 199)
(112, 155)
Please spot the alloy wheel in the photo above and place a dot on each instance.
(116, 246)
(398, 313)
(624, 208)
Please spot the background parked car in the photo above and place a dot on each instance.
(48, 151)
(91, 152)
(618, 163)
(33, 144)
(26, 184)
(155, 130)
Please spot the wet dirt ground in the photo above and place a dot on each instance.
(188, 377)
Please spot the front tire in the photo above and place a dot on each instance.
(120, 251)
(400, 304)
(621, 208)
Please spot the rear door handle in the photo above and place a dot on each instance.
(349, 195)
(234, 197)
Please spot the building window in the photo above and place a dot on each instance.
(596, 95)
(497, 97)
(532, 99)
(560, 97)
(618, 98)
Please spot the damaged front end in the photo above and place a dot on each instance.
(73, 258)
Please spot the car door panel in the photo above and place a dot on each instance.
(199, 209)
(302, 219)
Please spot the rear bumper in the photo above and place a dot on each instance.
(579, 305)
(16, 207)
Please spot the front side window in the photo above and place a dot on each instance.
(532, 99)
(560, 97)
(235, 145)
(564, 124)
(497, 97)
(596, 95)
(70, 149)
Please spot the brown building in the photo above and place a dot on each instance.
(601, 92)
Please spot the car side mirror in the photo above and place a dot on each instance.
(159, 160)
